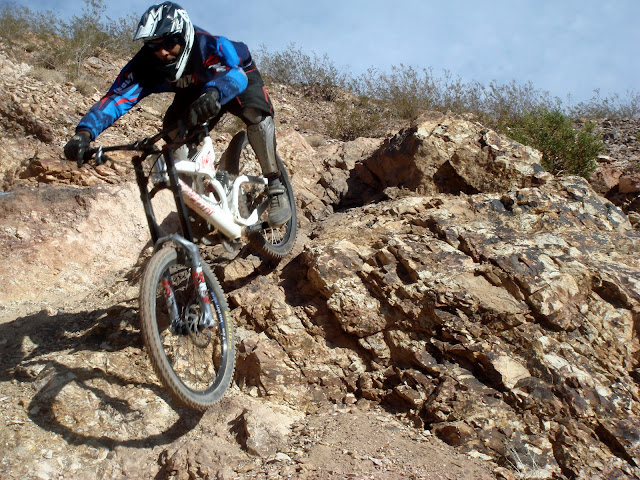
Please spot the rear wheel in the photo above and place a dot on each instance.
(196, 365)
(240, 159)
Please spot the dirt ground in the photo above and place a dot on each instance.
(78, 400)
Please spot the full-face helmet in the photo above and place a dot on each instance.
(168, 20)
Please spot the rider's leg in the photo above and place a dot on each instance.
(262, 137)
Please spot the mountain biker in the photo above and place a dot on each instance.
(210, 76)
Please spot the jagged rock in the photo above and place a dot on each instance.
(265, 430)
(617, 175)
(17, 119)
(514, 287)
(262, 364)
(449, 154)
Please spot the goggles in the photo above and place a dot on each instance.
(164, 43)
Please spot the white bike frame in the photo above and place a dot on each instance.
(219, 207)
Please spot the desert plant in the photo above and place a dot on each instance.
(614, 106)
(14, 22)
(69, 43)
(352, 120)
(88, 34)
(407, 91)
(295, 67)
(46, 75)
(505, 104)
(564, 150)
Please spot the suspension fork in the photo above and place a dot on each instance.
(172, 305)
(186, 242)
(197, 278)
(197, 274)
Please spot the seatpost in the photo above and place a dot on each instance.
(177, 192)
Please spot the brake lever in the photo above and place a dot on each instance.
(100, 156)
(148, 144)
(96, 153)
(197, 133)
(86, 156)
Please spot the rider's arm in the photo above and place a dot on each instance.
(225, 70)
(125, 92)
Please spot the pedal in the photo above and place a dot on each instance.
(223, 177)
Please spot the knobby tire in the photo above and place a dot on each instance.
(197, 367)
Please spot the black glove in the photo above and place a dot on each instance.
(205, 107)
(75, 148)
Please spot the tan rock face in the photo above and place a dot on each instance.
(452, 155)
(60, 241)
(489, 317)
(440, 274)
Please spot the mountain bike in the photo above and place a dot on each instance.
(184, 317)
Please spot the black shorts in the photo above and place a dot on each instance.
(254, 96)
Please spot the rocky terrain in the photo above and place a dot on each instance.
(450, 311)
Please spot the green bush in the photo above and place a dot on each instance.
(565, 151)
(362, 119)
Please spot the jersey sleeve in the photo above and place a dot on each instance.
(123, 95)
(228, 76)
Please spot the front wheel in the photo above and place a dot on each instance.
(240, 159)
(195, 364)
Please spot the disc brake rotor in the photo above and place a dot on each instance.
(201, 338)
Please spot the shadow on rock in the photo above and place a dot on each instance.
(84, 376)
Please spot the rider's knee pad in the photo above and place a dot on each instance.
(262, 137)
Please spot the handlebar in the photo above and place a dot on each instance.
(147, 145)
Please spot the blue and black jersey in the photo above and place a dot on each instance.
(215, 63)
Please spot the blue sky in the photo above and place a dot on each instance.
(565, 47)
